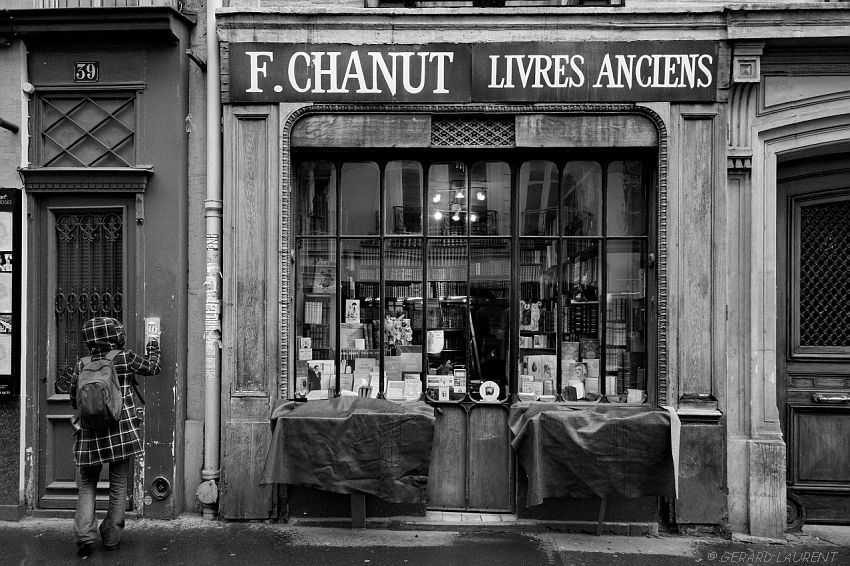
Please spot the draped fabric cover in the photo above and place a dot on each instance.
(352, 445)
(596, 451)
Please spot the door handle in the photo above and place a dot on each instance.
(831, 398)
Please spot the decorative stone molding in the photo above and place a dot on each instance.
(746, 76)
(87, 179)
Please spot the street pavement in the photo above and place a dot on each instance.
(190, 540)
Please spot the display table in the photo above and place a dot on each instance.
(353, 445)
(596, 450)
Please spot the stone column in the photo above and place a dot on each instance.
(755, 449)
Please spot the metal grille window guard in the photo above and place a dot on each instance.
(89, 282)
(88, 131)
(824, 279)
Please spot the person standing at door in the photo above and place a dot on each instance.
(116, 445)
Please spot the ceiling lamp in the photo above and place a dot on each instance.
(438, 215)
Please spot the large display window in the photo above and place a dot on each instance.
(486, 276)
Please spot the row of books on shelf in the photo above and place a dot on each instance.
(581, 318)
(538, 290)
(547, 256)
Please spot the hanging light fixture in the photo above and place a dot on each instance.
(456, 216)
(473, 217)
(438, 215)
(480, 195)
(436, 197)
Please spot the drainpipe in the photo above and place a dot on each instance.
(208, 490)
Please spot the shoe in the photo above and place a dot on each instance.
(110, 547)
(84, 549)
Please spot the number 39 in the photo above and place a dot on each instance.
(86, 71)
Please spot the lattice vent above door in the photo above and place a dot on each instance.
(473, 131)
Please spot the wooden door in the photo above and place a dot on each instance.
(813, 359)
(82, 252)
(471, 467)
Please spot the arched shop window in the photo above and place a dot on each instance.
(474, 279)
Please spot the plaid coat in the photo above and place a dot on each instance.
(122, 440)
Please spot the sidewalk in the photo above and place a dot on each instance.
(191, 540)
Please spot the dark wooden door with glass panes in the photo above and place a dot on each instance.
(84, 273)
(813, 355)
(471, 279)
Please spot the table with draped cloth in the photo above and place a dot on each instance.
(600, 450)
(352, 445)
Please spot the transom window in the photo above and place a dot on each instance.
(474, 275)
(87, 131)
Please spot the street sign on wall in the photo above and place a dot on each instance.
(533, 72)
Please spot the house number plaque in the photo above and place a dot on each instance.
(86, 71)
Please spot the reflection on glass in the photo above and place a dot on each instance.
(490, 199)
(315, 198)
(447, 317)
(537, 316)
(626, 320)
(403, 197)
(626, 205)
(538, 198)
(489, 289)
(403, 320)
(580, 339)
(360, 198)
(316, 318)
(447, 199)
(582, 194)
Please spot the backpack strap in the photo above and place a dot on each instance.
(133, 381)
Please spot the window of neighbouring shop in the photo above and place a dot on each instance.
(474, 274)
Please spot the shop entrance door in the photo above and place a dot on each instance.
(813, 359)
(81, 271)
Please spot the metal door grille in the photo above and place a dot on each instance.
(89, 280)
(88, 131)
(825, 274)
(472, 131)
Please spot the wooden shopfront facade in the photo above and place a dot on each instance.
(481, 219)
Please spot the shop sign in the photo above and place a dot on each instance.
(676, 71)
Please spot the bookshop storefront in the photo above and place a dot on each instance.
(465, 227)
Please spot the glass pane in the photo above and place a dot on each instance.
(403, 321)
(489, 283)
(315, 198)
(538, 198)
(582, 190)
(626, 321)
(446, 317)
(89, 282)
(315, 318)
(447, 199)
(403, 194)
(538, 371)
(626, 212)
(360, 198)
(580, 341)
(360, 318)
(490, 199)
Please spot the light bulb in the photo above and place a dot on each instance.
(473, 217)
(480, 195)
(459, 194)
(437, 197)
(438, 215)
(456, 216)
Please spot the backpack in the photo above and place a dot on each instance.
(99, 398)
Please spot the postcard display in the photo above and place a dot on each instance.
(8, 293)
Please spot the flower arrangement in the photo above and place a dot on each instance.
(397, 331)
